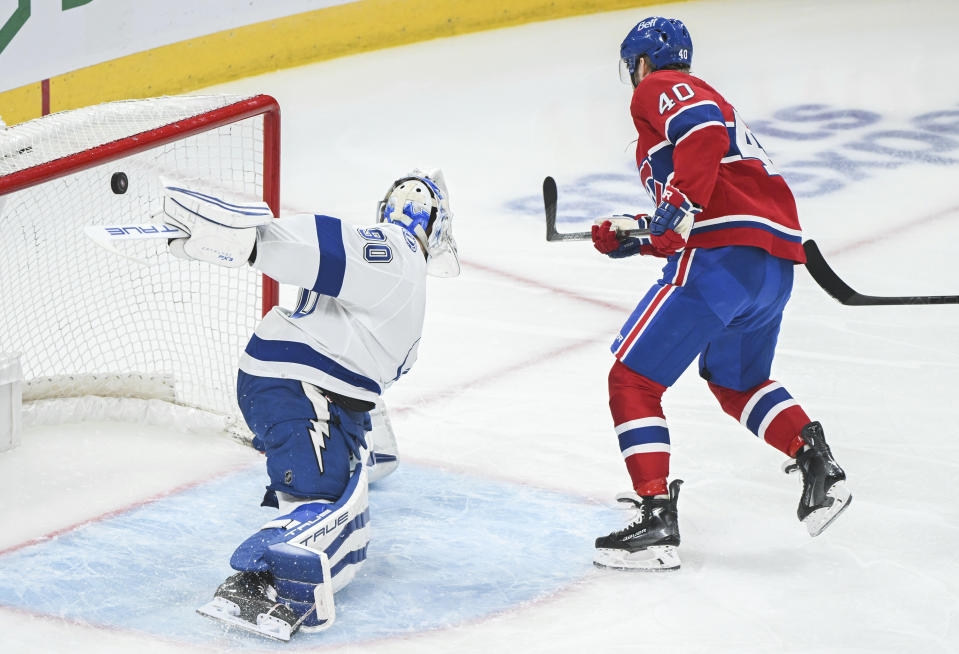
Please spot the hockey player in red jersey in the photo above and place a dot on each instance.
(726, 223)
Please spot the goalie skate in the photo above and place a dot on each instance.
(649, 541)
(825, 495)
(247, 600)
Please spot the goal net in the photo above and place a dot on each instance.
(102, 336)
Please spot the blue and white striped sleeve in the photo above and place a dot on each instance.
(304, 250)
(692, 118)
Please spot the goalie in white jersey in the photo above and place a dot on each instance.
(310, 378)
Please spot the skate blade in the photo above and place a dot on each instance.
(657, 558)
(225, 611)
(817, 521)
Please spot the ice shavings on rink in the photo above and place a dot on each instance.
(448, 548)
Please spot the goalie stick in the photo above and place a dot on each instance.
(549, 202)
(840, 290)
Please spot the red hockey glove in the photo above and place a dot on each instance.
(673, 221)
(607, 237)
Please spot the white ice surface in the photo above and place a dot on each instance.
(511, 381)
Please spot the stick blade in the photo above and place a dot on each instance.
(549, 204)
(840, 290)
(825, 276)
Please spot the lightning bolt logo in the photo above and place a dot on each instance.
(320, 426)
(319, 438)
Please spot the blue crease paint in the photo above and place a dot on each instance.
(446, 548)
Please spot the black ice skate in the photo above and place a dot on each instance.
(650, 539)
(248, 600)
(824, 494)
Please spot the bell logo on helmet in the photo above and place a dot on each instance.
(664, 40)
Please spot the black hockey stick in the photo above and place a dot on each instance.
(833, 284)
(549, 202)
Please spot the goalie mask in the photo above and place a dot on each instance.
(419, 203)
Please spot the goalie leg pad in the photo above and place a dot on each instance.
(312, 552)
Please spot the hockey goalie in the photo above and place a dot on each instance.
(310, 381)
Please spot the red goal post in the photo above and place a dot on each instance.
(113, 336)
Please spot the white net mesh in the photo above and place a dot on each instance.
(88, 322)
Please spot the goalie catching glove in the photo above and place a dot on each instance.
(221, 232)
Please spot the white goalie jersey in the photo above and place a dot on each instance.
(359, 316)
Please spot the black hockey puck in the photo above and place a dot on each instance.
(119, 183)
